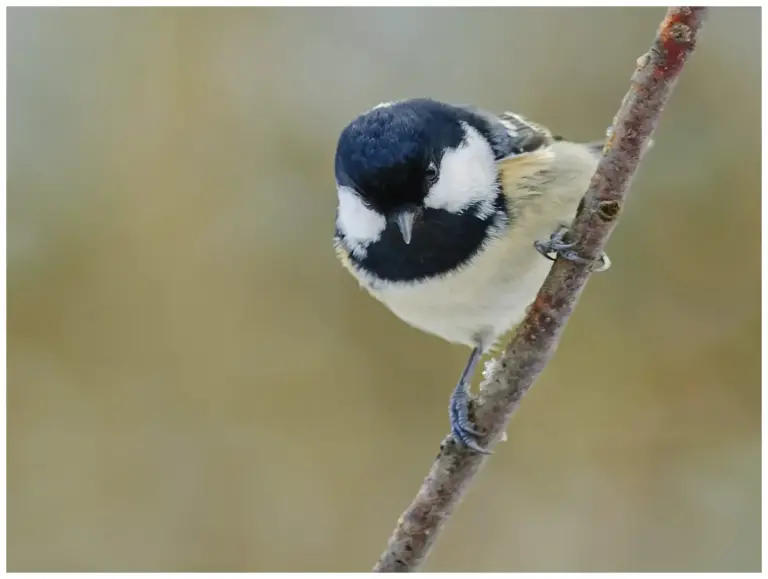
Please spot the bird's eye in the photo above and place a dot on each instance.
(431, 174)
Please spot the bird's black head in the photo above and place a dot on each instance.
(418, 187)
(391, 155)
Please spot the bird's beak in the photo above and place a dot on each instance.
(404, 221)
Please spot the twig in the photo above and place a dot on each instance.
(536, 338)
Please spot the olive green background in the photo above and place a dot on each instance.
(194, 383)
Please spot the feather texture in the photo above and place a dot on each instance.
(482, 297)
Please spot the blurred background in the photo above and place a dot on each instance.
(194, 383)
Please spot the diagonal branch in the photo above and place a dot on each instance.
(536, 338)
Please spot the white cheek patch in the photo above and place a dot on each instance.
(360, 225)
(467, 176)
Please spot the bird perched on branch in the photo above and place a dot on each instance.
(441, 213)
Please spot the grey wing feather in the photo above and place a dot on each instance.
(528, 135)
(511, 134)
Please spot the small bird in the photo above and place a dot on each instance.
(441, 209)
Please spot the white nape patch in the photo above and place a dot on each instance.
(360, 224)
(467, 175)
(382, 105)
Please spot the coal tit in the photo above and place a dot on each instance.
(441, 209)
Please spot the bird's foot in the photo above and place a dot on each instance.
(462, 429)
(556, 245)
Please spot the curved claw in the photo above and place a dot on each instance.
(468, 441)
(544, 249)
(554, 245)
(605, 263)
